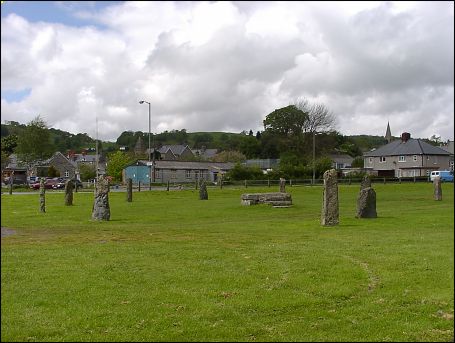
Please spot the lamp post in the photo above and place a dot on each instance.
(314, 155)
(152, 167)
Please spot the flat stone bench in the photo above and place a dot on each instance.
(277, 199)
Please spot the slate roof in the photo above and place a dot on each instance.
(187, 165)
(176, 149)
(410, 147)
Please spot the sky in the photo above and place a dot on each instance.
(223, 66)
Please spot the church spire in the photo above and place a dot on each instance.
(388, 135)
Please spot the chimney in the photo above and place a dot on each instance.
(405, 136)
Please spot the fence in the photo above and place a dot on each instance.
(275, 183)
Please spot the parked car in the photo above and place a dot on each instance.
(48, 184)
(61, 184)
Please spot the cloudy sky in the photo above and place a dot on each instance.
(223, 66)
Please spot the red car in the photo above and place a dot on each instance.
(48, 184)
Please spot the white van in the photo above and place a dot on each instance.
(444, 175)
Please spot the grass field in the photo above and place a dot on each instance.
(170, 267)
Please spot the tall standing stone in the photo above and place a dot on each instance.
(203, 195)
(365, 183)
(69, 185)
(437, 189)
(101, 209)
(129, 190)
(282, 185)
(42, 198)
(330, 210)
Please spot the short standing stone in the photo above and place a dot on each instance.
(366, 203)
(330, 211)
(42, 197)
(282, 185)
(69, 184)
(129, 190)
(437, 189)
(203, 195)
(101, 209)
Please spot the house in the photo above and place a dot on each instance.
(176, 171)
(84, 159)
(341, 161)
(65, 167)
(449, 147)
(204, 153)
(406, 157)
(174, 153)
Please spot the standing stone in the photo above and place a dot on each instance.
(42, 199)
(437, 189)
(366, 182)
(203, 195)
(11, 182)
(101, 210)
(330, 211)
(129, 190)
(282, 185)
(366, 203)
(69, 185)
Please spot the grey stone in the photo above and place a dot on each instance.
(203, 195)
(366, 204)
(69, 185)
(42, 196)
(366, 182)
(437, 189)
(330, 208)
(282, 185)
(274, 199)
(101, 209)
(129, 190)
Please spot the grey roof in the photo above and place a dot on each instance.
(206, 153)
(188, 165)
(410, 147)
(341, 158)
(175, 149)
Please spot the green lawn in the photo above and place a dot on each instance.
(170, 267)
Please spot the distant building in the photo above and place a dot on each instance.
(449, 147)
(388, 134)
(176, 171)
(406, 157)
(174, 153)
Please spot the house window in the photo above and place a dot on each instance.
(382, 159)
(188, 174)
(370, 160)
(414, 158)
(67, 173)
(428, 158)
(173, 174)
(402, 159)
(196, 174)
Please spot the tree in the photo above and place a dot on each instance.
(9, 143)
(34, 142)
(319, 116)
(117, 162)
(87, 172)
(229, 156)
(288, 120)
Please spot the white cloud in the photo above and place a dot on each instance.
(223, 66)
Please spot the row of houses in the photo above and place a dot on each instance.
(405, 157)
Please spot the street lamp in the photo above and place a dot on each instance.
(152, 168)
(314, 154)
